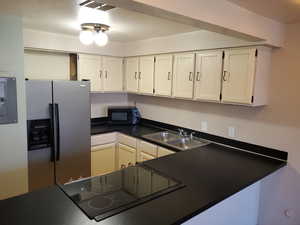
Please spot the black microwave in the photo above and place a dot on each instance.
(123, 115)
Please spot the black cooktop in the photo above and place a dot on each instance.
(103, 196)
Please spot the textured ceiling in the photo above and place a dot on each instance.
(61, 16)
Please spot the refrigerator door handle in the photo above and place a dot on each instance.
(52, 133)
(57, 133)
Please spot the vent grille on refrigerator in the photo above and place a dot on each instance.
(97, 5)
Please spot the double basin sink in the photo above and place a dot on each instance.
(175, 140)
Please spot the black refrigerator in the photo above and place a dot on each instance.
(58, 128)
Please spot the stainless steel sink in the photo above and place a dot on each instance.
(175, 140)
(186, 143)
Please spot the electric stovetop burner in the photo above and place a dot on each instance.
(103, 196)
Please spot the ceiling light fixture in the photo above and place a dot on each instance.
(94, 32)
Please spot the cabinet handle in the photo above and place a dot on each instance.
(100, 73)
(135, 75)
(106, 74)
(139, 75)
(191, 76)
(198, 76)
(169, 75)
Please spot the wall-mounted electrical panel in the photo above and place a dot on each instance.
(8, 100)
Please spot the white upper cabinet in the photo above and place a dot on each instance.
(46, 65)
(246, 76)
(238, 75)
(208, 75)
(146, 73)
(131, 74)
(90, 68)
(183, 75)
(105, 73)
(112, 74)
(163, 75)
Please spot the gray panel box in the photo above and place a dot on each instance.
(8, 100)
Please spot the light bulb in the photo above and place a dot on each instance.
(100, 38)
(86, 37)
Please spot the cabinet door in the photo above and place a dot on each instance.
(163, 152)
(113, 74)
(146, 74)
(208, 75)
(90, 68)
(238, 76)
(145, 157)
(144, 186)
(183, 75)
(131, 73)
(127, 156)
(163, 75)
(103, 159)
(146, 151)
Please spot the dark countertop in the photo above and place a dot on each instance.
(211, 174)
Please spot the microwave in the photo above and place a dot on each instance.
(127, 115)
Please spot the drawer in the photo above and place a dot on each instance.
(101, 139)
(163, 152)
(148, 148)
(103, 147)
(145, 157)
(127, 140)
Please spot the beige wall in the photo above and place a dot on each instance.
(100, 102)
(13, 142)
(276, 125)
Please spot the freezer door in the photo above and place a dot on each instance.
(40, 169)
(38, 96)
(72, 112)
(40, 160)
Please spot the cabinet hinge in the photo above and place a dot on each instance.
(252, 99)
(256, 53)
(154, 59)
(223, 55)
(220, 97)
(153, 91)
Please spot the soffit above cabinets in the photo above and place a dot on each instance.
(60, 16)
(285, 11)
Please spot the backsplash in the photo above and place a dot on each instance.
(100, 102)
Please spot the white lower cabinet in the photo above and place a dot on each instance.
(146, 151)
(145, 157)
(126, 156)
(114, 151)
(103, 159)
(163, 152)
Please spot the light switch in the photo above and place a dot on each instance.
(203, 125)
(231, 131)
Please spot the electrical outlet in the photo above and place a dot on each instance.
(203, 125)
(231, 131)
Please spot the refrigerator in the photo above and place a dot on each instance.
(58, 129)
